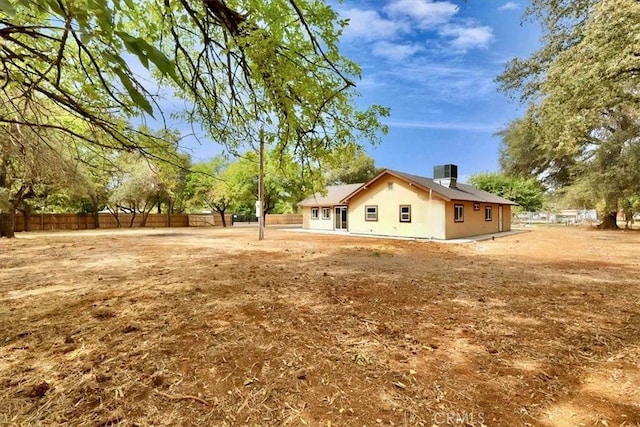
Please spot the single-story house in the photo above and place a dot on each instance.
(398, 204)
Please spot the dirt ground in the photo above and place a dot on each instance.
(211, 327)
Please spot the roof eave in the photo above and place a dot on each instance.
(397, 175)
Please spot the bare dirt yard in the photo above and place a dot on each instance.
(211, 327)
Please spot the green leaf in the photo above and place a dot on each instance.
(84, 36)
(138, 98)
(103, 14)
(7, 8)
(146, 52)
(55, 7)
(114, 60)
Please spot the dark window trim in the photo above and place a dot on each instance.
(400, 212)
(490, 210)
(366, 217)
(328, 216)
(455, 209)
(317, 215)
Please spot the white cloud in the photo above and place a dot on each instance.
(459, 126)
(464, 38)
(369, 25)
(509, 6)
(426, 13)
(394, 51)
(368, 82)
(412, 19)
(438, 81)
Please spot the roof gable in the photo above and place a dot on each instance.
(461, 192)
(366, 185)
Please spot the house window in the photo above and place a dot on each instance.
(370, 213)
(458, 213)
(314, 213)
(405, 213)
(488, 214)
(476, 206)
(326, 213)
(389, 185)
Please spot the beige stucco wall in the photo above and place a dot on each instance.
(317, 224)
(438, 218)
(507, 218)
(426, 216)
(474, 223)
(306, 216)
(429, 218)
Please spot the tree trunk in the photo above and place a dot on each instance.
(7, 222)
(115, 214)
(261, 189)
(145, 216)
(610, 221)
(224, 221)
(133, 217)
(169, 211)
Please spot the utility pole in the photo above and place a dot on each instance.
(261, 188)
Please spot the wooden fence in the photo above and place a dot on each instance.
(86, 222)
(39, 222)
(209, 220)
(54, 222)
(283, 219)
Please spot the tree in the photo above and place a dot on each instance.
(630, 206)
(88, 192)
(285, 184)
(207, 189)
(357, 169)
(253, 61)
(256, 71)
(526, 192)
(172, 175)
(34, 163)
(29, 168)
(583, 86)
(139, 184)
(525, 154)
(134, 189)
(242, 180)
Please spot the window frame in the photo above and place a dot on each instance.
(408, 213)
(457, 218)
(315, 213)
(366, 213)
(328, 216)
(489, 210)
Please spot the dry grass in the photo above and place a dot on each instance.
(211, 327)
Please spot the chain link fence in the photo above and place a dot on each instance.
(567, 217)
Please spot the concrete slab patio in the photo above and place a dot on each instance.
(470, 239)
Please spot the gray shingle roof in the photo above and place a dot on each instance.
(335, 195)
(462, 192)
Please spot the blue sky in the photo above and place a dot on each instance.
(433, 62)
